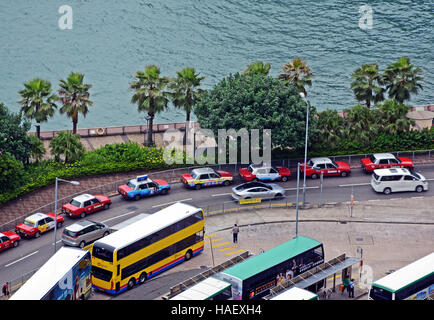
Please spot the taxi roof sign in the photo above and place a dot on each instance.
(142, 178)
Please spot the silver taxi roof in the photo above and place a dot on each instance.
(321, 160)
(83, 197)
(383, 155)
(202, 170)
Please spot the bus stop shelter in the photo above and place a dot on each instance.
(330, 268)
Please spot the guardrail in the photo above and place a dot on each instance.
(173, 176)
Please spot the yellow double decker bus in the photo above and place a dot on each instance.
(147, 247)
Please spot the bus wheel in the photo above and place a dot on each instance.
(188, 255)
(143, 277)
(131, 283)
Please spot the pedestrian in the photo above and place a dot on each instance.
(6, 290)
(345, 284)
(351, 289)
(235, 231)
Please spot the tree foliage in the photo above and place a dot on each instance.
(66, 145)
(257, 102)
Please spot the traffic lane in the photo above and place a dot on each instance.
(212, 196)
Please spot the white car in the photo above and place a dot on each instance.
(398, 179)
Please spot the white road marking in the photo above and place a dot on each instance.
(354, 184)
(421, 197)
(301, 188)
(374, 200)
(165, 204)
(221, 194)
(31, 254)
(125, 214)
(395, 199)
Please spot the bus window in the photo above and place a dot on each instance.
(101, 273)
(380, 294)
(102, 253)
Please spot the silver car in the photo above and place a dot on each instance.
(84, 232)
(253, 190)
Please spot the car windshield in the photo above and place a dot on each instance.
(131, 185)
(310, 163)
(372, 158)
(193, 175)
(29, 223)
(70, 233)
(416, 175)
(75, 203)
(335, 164)
(250, 168)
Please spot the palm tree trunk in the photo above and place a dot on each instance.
(74, 126)
(150, 129)
(38, 130)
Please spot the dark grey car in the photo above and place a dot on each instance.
(84, 232)
(253, 190)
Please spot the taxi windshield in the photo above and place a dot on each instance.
(193, 175)
(29, 223)
(75, 203)
(131, 185)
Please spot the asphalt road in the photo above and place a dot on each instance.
(32, 253)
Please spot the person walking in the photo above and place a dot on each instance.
(235, 231)
(351, 289)
(6, 290)
(346, 283)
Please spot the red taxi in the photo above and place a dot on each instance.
(37, 224)
(385, 161)
(84, 204)
(9, 240)
(327, 167)
(264, 173)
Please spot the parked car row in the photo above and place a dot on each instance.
(390, 174)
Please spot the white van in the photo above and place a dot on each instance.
(398, 179)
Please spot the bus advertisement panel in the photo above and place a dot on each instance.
(147, 247)
(253, 278)
(65, 276)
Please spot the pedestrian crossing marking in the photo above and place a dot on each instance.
(220, 244)
(331, 278)
(224, 249)
(229, 253)
(213, 240)
(210, 236)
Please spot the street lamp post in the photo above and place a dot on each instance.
(305, 146)
(75, 183)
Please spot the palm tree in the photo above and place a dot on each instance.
(74, 95)
(37, 149)
(394, 117)
(38, 102)
(367, 83)
(331, 125)
(186, 91)
(363, 123)
(297, 72)
(68, 145)
(258, 67)
(402, 79)
(149, 94)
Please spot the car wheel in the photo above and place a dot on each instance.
(227, 182)
(344, 174)
(59, 224)
(16, 243)
(143, 277)
(106, 206)
(387, 191)
(38, 234)
(82, 244)
(278, 196)
(106, 234)
(164, 191)
(314, 176)
(83, 214)
(284, 178)
(137, 197)
(419, 189)
(197, 187)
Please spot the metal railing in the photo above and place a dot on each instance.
(173, 177)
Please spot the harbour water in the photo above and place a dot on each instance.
(110, 40)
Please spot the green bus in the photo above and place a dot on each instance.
(253, 278)
(412, 282)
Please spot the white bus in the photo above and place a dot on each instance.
(412, 282)
(295, 294)
(208, 289)
(65, 276)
